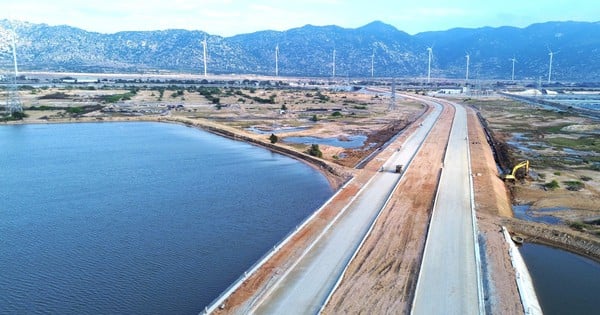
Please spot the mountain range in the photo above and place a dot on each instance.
(309, 51)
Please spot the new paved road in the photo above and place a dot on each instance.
(448, 281)
(306, 285)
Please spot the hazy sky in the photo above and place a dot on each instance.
(230, 17)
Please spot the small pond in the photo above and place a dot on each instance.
(350, 142)
(524, 212)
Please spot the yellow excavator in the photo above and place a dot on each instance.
(512, 175)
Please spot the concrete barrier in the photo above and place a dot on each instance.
(529, 298)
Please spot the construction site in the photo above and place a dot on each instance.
(519, 154)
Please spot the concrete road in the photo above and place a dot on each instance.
(304, 287)
(448, 280)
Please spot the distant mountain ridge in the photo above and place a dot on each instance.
(308, 51)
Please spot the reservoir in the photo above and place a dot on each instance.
(565, 283)
(138, 218)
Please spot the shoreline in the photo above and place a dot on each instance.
(558, 237)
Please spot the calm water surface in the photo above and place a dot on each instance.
(138, 218)
(565, 283)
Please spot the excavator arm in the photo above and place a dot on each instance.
(512, 175)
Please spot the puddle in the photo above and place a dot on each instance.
(350, 142)
(524, 212)
(577, 152)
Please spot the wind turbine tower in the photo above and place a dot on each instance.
(277, 60)
(514, 60)
(13, 101)
(551, 54)
(333, 68)
(373, 63)
(468, 56)
(204, 54)
(430, 51)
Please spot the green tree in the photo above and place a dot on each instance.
(315, 151)
(273, 138)
(314, 118)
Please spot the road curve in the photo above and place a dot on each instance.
(448, 281)
(304, 287)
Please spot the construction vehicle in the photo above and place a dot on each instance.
(399, 168)
(512, 175)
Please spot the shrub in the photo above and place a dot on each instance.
(74, 110)
(315, 151)
(314, 118)
(574, 185)
(273, 138)
(577, 225)
(585, 178)
(552, 185)
(336, 114)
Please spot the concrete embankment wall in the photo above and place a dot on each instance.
(556, 236)
(529, 298)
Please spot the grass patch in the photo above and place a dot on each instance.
(553, 129)
(117, 97)
(552, 185)
(585, 178)
(580, 144)
(578, 225)
(574, 185)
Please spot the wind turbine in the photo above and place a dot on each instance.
(551, 54)
(13, 101)
(514, 60)
(468, 56)
(430, 51)
(373, 63)
(333, 68)
(277, 60)
(204, 54)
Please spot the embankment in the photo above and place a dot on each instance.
(334, 174)
(556, 236)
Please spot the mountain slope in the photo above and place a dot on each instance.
(308, 51)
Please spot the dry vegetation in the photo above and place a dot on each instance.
(285, 112)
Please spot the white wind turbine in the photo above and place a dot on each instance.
(204, 55)
(514, 60)
(277, 60)
(468, 56)
(430, 52)
(333, 67)
(551, 54)
(373, 63)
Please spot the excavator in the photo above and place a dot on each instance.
(512, 175)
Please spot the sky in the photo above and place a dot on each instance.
(232, 17)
